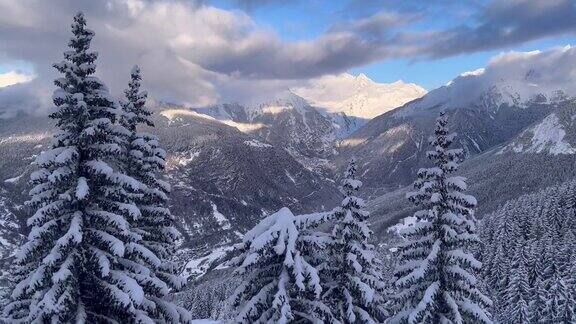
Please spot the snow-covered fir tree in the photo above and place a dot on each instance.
(542, 227)
(278, 267)
(144, 160)
(354, 286)
(435, 276)
(71, 267)
(518, 291)
(537, 302)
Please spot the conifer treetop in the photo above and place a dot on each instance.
(135, 111)
(435, 278)
(355, 289)
(278, 266)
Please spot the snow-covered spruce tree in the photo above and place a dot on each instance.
(537, 304)
(541, 226)
(560, 304)
(354, 287)
(435, 273)
(69, 269)
(280, 281)
(518, 291)
(144, 160)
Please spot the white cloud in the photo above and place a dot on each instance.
(14, 77)
(196, 54)
(515, 76)
(29, 97)
(189, 52)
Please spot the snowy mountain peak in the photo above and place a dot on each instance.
(358, 96)
(363, 80)
(514, 78)
(287, 97)
(400, 83)
(286, 100)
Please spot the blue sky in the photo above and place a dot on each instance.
(305, 20)
(431, 74)
(19, 66)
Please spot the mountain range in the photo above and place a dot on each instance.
(231, 164)
(310, 122)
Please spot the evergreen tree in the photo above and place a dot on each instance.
(541, 226)
(538, 302)
(435, 275)
(548, 267)
(571, 283)
(555, 310)
(567, 310)
(280, 281)
(517, 293)
(500, 276)
(355, 288)
(567, 245)
(69, 269)
(143, 160)
(533, 259)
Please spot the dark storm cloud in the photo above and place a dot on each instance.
(484, 25)
(505, 23)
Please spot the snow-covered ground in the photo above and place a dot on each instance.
(405, 223)
(184, 160)
(198, 267)
(220, 218)
(256, 143)
(548, 137)
(14, 180)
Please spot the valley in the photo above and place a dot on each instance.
(231, 165)
(291, 162)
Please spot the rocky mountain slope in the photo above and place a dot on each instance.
(484, 113)
(519, 138)
(311, 121)
(289, 122)
(501, 173)
(223, 180)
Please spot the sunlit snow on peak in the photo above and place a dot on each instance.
(513, 78)
(358, 96)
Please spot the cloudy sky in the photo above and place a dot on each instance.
(206, 51)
